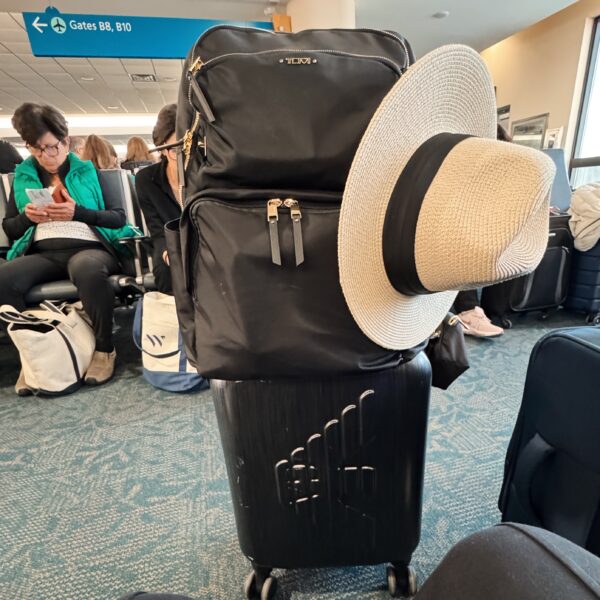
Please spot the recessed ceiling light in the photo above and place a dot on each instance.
(442, 14)
(170, 79)
(113, 107)
(87, 78)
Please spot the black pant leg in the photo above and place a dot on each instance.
(466, 300)
(89, 270)
(162, 276)
(18, 276)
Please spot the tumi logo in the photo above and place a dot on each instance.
(298, 60)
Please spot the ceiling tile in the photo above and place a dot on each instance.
(110, 66)
(138, 65)
(7, 22)
(13, 35)
(18, 18)
(10, 59)
(73, 62)
(18, 47)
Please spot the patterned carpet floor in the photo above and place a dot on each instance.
(123, 487)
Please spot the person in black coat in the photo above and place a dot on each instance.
(157, 192)
(9, 157)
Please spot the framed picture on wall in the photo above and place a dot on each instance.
(553, 138)
(531, 131)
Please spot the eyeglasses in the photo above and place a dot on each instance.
(48, 150)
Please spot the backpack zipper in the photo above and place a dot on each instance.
(296, 216)
(388, 34)
(198, 64)
(272, 219)
(188, 139)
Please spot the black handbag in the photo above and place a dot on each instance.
(447, 352)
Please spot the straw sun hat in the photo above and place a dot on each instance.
(434, 203)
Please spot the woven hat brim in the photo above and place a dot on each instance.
(448, 90)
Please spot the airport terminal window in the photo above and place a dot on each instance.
(585, 166)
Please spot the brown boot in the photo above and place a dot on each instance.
(21, 387)
(101, 368)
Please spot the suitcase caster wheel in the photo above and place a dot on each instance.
(268, 589)
(506, 323)
(266, 592)
(250, 586)
(402, 581)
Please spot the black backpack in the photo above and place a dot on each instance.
(270, 124)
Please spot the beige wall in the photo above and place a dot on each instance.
(541, 69)
(321, 14)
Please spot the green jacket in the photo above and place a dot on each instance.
(83, 186)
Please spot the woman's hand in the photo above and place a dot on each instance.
(35, 214)
(63, 211)
(165, 257)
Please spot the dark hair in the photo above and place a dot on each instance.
(165, 124)
(32, 121)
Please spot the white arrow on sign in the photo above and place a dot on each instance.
(36, 23)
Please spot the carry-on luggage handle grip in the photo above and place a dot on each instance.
(534, 455)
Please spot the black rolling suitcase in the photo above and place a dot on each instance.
(338, 479)
(584, 290)
(544, 289)
(552, 469)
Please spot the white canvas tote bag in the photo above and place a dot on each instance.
(156, 333)
(55, 343)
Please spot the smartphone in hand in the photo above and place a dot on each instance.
(40, 197)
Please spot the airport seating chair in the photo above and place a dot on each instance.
(560, 194)
(127, 285)
(4, 241)
(147, 278)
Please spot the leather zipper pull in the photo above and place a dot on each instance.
(296, 215)
(208, 113)
(272, 219)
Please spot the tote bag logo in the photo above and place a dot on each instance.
(155, 340)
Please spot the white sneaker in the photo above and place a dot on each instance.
(478, 325)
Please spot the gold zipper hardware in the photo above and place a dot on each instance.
(272, 219)
(188, 139)
(296, 215)
(195, 66)
(272, 206)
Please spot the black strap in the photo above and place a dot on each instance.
(400, 226)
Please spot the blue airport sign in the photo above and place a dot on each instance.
(53, 33)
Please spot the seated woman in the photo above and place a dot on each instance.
(138, 155)
(97, 150)
(74, 237)
(157, 192)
